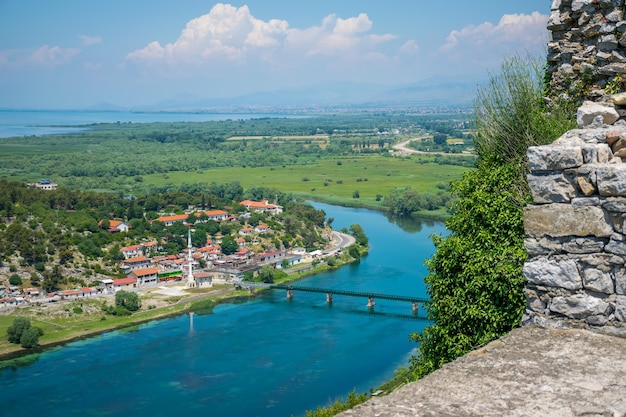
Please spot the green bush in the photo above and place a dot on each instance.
(15, 330)
(15, 280)
(127, 300)
(475, 276)
(23, 333)
(30, 338)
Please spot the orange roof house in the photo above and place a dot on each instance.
(116, 226)
(262, 206)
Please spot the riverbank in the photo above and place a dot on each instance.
(91, 321)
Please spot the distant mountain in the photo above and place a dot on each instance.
(105, 106)
(431, 92)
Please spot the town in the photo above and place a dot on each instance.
(224, 260)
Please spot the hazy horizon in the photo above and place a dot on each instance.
(72, 55)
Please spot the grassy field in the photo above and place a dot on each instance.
(370, 175)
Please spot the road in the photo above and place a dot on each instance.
(339, 241)
(404, 150)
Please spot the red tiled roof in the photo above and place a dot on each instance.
(145, 271)
(130, 248)
(124, 281)
(136, 259)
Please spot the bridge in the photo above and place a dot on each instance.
(371, 297)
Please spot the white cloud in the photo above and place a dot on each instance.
(228, 34)
(52, 56)
(90, 40)
(410, 48)
(521, 30)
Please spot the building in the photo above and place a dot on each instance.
(138, 262)
(262, 206)
(217, 215)
(203, 279)
(116, 226)
(132, 251)
(145, 276)
(124, 284)
(47, 185)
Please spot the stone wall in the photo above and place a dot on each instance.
(576, 229)
(587, 48)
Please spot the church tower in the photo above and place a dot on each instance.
(191, 282)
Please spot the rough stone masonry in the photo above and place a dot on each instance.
(576, 229)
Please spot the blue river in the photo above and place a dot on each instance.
(263, 357)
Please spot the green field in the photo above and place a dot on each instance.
(345, 160)
(378, 175)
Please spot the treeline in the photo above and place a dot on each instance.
(409, 201)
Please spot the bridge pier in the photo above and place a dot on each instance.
(370, 302)
(289, 294)
(329, 298)
(415, 308)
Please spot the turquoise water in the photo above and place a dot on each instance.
(45, 122)
(265, 357)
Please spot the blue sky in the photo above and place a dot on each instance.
(75, 53)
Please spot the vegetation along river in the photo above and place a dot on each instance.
(263, 357)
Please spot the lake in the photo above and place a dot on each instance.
(45, 122)
(263, 357)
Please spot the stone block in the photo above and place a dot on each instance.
(611, 180)
(564, 220)
(551, 273)
(554, 158)
(590, 110)
(597, 281)
(579, 306)
(620, 309)
(551, 188)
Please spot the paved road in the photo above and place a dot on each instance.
(339, 241)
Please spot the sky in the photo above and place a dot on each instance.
(76, 53)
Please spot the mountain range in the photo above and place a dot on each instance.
(426, 93)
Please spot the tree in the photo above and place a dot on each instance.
(15, 331)
(229, 245)
(440, 138)
(266, 274)
(128, 300)
(356, 230)
(354, 252)
(30, 337)
(52, 279)
(15, 280)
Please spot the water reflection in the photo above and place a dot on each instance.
(410, 224)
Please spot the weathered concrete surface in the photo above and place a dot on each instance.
(530, 372)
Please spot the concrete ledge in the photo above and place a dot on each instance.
(530, 372)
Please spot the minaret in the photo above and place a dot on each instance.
(190, 281)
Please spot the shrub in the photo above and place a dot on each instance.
(127, 300)
(30, 338)
(475, 276)
(15, 331)
(15, 280)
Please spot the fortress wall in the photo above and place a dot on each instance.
(576, 227)
(587, 48)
